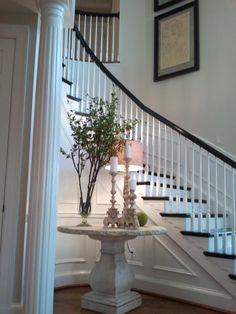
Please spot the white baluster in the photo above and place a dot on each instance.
(233, 219)
(105, 86)
(224, 239)
(193, 189)
(178, 177)
(89, 58)
(121, 106)
(136, 125)
(142, 135)
(208, 208)
(185, 191)
(147, 148)
(99, 83)
(68, 55)
(216, 235)
(94, 77)
(84, 101)
(64, 52)
(76, 69)
(107, 46)
(78, 57)
(142, 123)
(110, 90)
(113, 39)
(165, 163)
(126, 107)
(159, 159)
(101, 43)
(118, 41)
(171, 166)
(96, 37)
(152, 188)
(200, 193)
(73, 73)
(131, 117)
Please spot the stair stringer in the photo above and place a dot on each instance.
(223, 296)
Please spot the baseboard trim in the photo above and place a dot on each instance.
(182, 291)
(69, 278)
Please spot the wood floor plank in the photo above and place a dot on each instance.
(67, 301)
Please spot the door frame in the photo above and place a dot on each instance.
(15, 171)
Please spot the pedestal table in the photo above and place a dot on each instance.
(112, 278)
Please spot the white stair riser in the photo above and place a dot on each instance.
(149, 178)
(196, 224)
(160, 191)
(228, 265)
(220, 244)
(172, 207)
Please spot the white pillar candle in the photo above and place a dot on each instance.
(127, 152)
(114, 164)
(132, 184)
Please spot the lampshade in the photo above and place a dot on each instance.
(136, 162)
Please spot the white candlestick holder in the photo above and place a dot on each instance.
(129, 217)
(112, 218)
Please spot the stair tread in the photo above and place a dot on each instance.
(175, 187)
(219, 255)
(188, 215)
(167, 198)
(178, 215)
(232, 276)
(66, 81)
(161, 175)
(205, 233)
(155, 198)
(197, 234)
(143, 183)
(168, 186)
(73, 98)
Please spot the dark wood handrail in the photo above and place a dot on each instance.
(98, 14)
(170, 124)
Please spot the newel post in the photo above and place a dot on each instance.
(41, 233)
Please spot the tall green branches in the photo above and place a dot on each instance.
(96, 137)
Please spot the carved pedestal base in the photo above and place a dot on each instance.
(111, 305)
(111, 280)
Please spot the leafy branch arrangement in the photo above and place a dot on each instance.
(97, 136)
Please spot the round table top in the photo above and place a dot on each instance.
(98, 231)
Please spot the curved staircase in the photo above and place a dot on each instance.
(186, 186)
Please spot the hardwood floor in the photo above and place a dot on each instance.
(67, 301)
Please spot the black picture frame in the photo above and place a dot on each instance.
(176, 42)
(162, 4)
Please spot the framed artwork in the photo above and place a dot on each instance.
(176, 42)
(162, 4)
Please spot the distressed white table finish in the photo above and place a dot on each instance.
(111, 279)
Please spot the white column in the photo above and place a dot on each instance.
(41, 237)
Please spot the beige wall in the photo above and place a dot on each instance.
(202, 102)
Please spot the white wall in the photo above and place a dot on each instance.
(202, 102)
